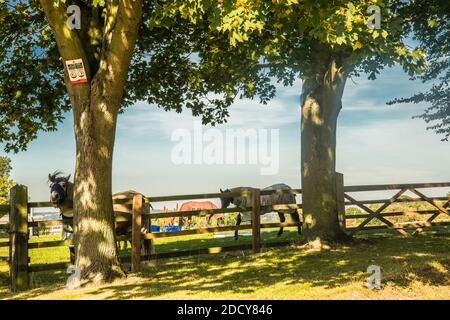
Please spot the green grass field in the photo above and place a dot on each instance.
(412, 267)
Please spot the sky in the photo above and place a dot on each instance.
(376, 144)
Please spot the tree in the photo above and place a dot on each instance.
(431, 26)
(323, 43)
(5, 181)
(127, 59)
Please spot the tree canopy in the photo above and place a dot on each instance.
(165, 69)
(198, 55)
(287, 35)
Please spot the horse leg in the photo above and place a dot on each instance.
(282, 220)
(208, 220)
(238, 222)
(72, 254)
(296, 217)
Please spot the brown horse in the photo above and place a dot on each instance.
(201, 205)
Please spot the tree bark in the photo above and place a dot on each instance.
(320, 107)
(95, 107)
(94, 235)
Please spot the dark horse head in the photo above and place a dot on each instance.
(60, 188)
(225, 202)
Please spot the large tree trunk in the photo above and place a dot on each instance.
(321, 103)
(95, 244)
(106, 48)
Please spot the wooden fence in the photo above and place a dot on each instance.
(19, 224)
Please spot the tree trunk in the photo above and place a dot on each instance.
(321, 103)
(106, 56)
(95, 245)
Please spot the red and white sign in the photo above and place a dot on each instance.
(75, 69)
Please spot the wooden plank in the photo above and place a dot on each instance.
(278, 225)
(48, 244)
(203, 213)
(18, 249)
(404, 225)
(49, 266)
(193, 213)
(376, 214)
(256, 221)
(340, 199)
(391, 214)
(191, 196)
(47, 223)
(276, 207)
(4, 244)
(397, 200)
(213, 195)
(136, 233)
(395, 186)
(156, 235)
(40, 205)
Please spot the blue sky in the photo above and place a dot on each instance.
(376, 144)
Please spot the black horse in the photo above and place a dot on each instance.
(61, 196)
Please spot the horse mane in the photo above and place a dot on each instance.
(55, 175)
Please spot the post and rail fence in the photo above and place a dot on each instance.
(19, 223)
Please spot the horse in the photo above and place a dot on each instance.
(61, 196)
(266, 200)
(201, 205)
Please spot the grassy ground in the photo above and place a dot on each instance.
(412, 268)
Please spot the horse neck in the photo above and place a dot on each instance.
(70, 191)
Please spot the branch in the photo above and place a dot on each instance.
(119, 38)
(69, 43)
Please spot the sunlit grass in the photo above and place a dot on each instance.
(412, 267)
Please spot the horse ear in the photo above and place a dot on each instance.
(68, 177)
(221, 190)
(51, 178)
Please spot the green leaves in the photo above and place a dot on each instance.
(32, 91)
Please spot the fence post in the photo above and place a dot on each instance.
(18, 238)
(340, 199)
(256, 221)
(136, 233)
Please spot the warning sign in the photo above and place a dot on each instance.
(75, 69)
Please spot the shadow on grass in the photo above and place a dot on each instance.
(402, 260)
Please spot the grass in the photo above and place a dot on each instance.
(411, 267)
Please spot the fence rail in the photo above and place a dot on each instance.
(19, 224)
